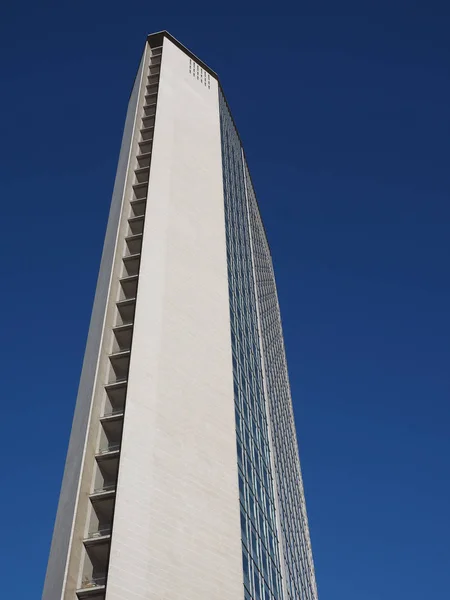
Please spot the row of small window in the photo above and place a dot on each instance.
(298, 573)
(257, 498)
(239, 252)
(256, 587)
(258, 501)
(250, 405)
(256, 472)
(263, 552)
(245, 346)
(241, 280)
(240, 267)
(261, 522)
(243, 316)
(288, 460)
(300, 589)
(244, 332)
(251, 425)
(295, 536)
(298, 549)
(242, 308)
(254, 443)
(250, 379)
(258, 532)
(270, 317)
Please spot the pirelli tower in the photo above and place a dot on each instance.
(182, 479)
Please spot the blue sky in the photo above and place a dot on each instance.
(345, 121)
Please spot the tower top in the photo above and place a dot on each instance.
(156, 39)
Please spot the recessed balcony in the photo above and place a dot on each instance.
(145, 147)
(136, 224)
(126, 309)
(129, 287)
(92, 588)
(106, 475)
(120, 362)
(140, 191)
(138, 206)
(144, 160)
(154, 70)
(98, 536)
(111, 432)
(152, 79)
(111, 414)
(93, 580)
(150, 110)
(134, 243)
(108, 451)
(115, 397)
(147, 134)
(148, 122)
(104, 492)
(122, 338)
(141, 174)
(152, 89)
(131, 264)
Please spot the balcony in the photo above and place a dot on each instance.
(152, 79)
(104, 492)
(150, 110)
(93, 580)
(155, 59)
(122, 338)
(138, 206)
(115, 399)
(112, 433)
(140, 191)
(120, 362)
(148, 123)
(147, 133)
(144, 160)
(111, 414)
(116, 393)
(152, 89)
(108, 451)
(141, 174)
(131, 264)
(134, 243)
(126, 309)
(145, 146)
(92, 587)
(136, 224)
(98, 536)
(106, 475)
(129, 287)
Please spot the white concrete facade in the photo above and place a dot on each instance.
(176, 524)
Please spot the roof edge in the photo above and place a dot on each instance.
(155, 39)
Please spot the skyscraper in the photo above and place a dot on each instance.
(182, 479)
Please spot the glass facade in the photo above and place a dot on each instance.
(264, 415)
(260, 546)
(298, 562)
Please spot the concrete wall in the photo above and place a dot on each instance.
(75, 471)
(176, 529)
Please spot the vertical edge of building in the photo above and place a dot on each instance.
(55, 580)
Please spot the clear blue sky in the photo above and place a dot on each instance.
(345, 121)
